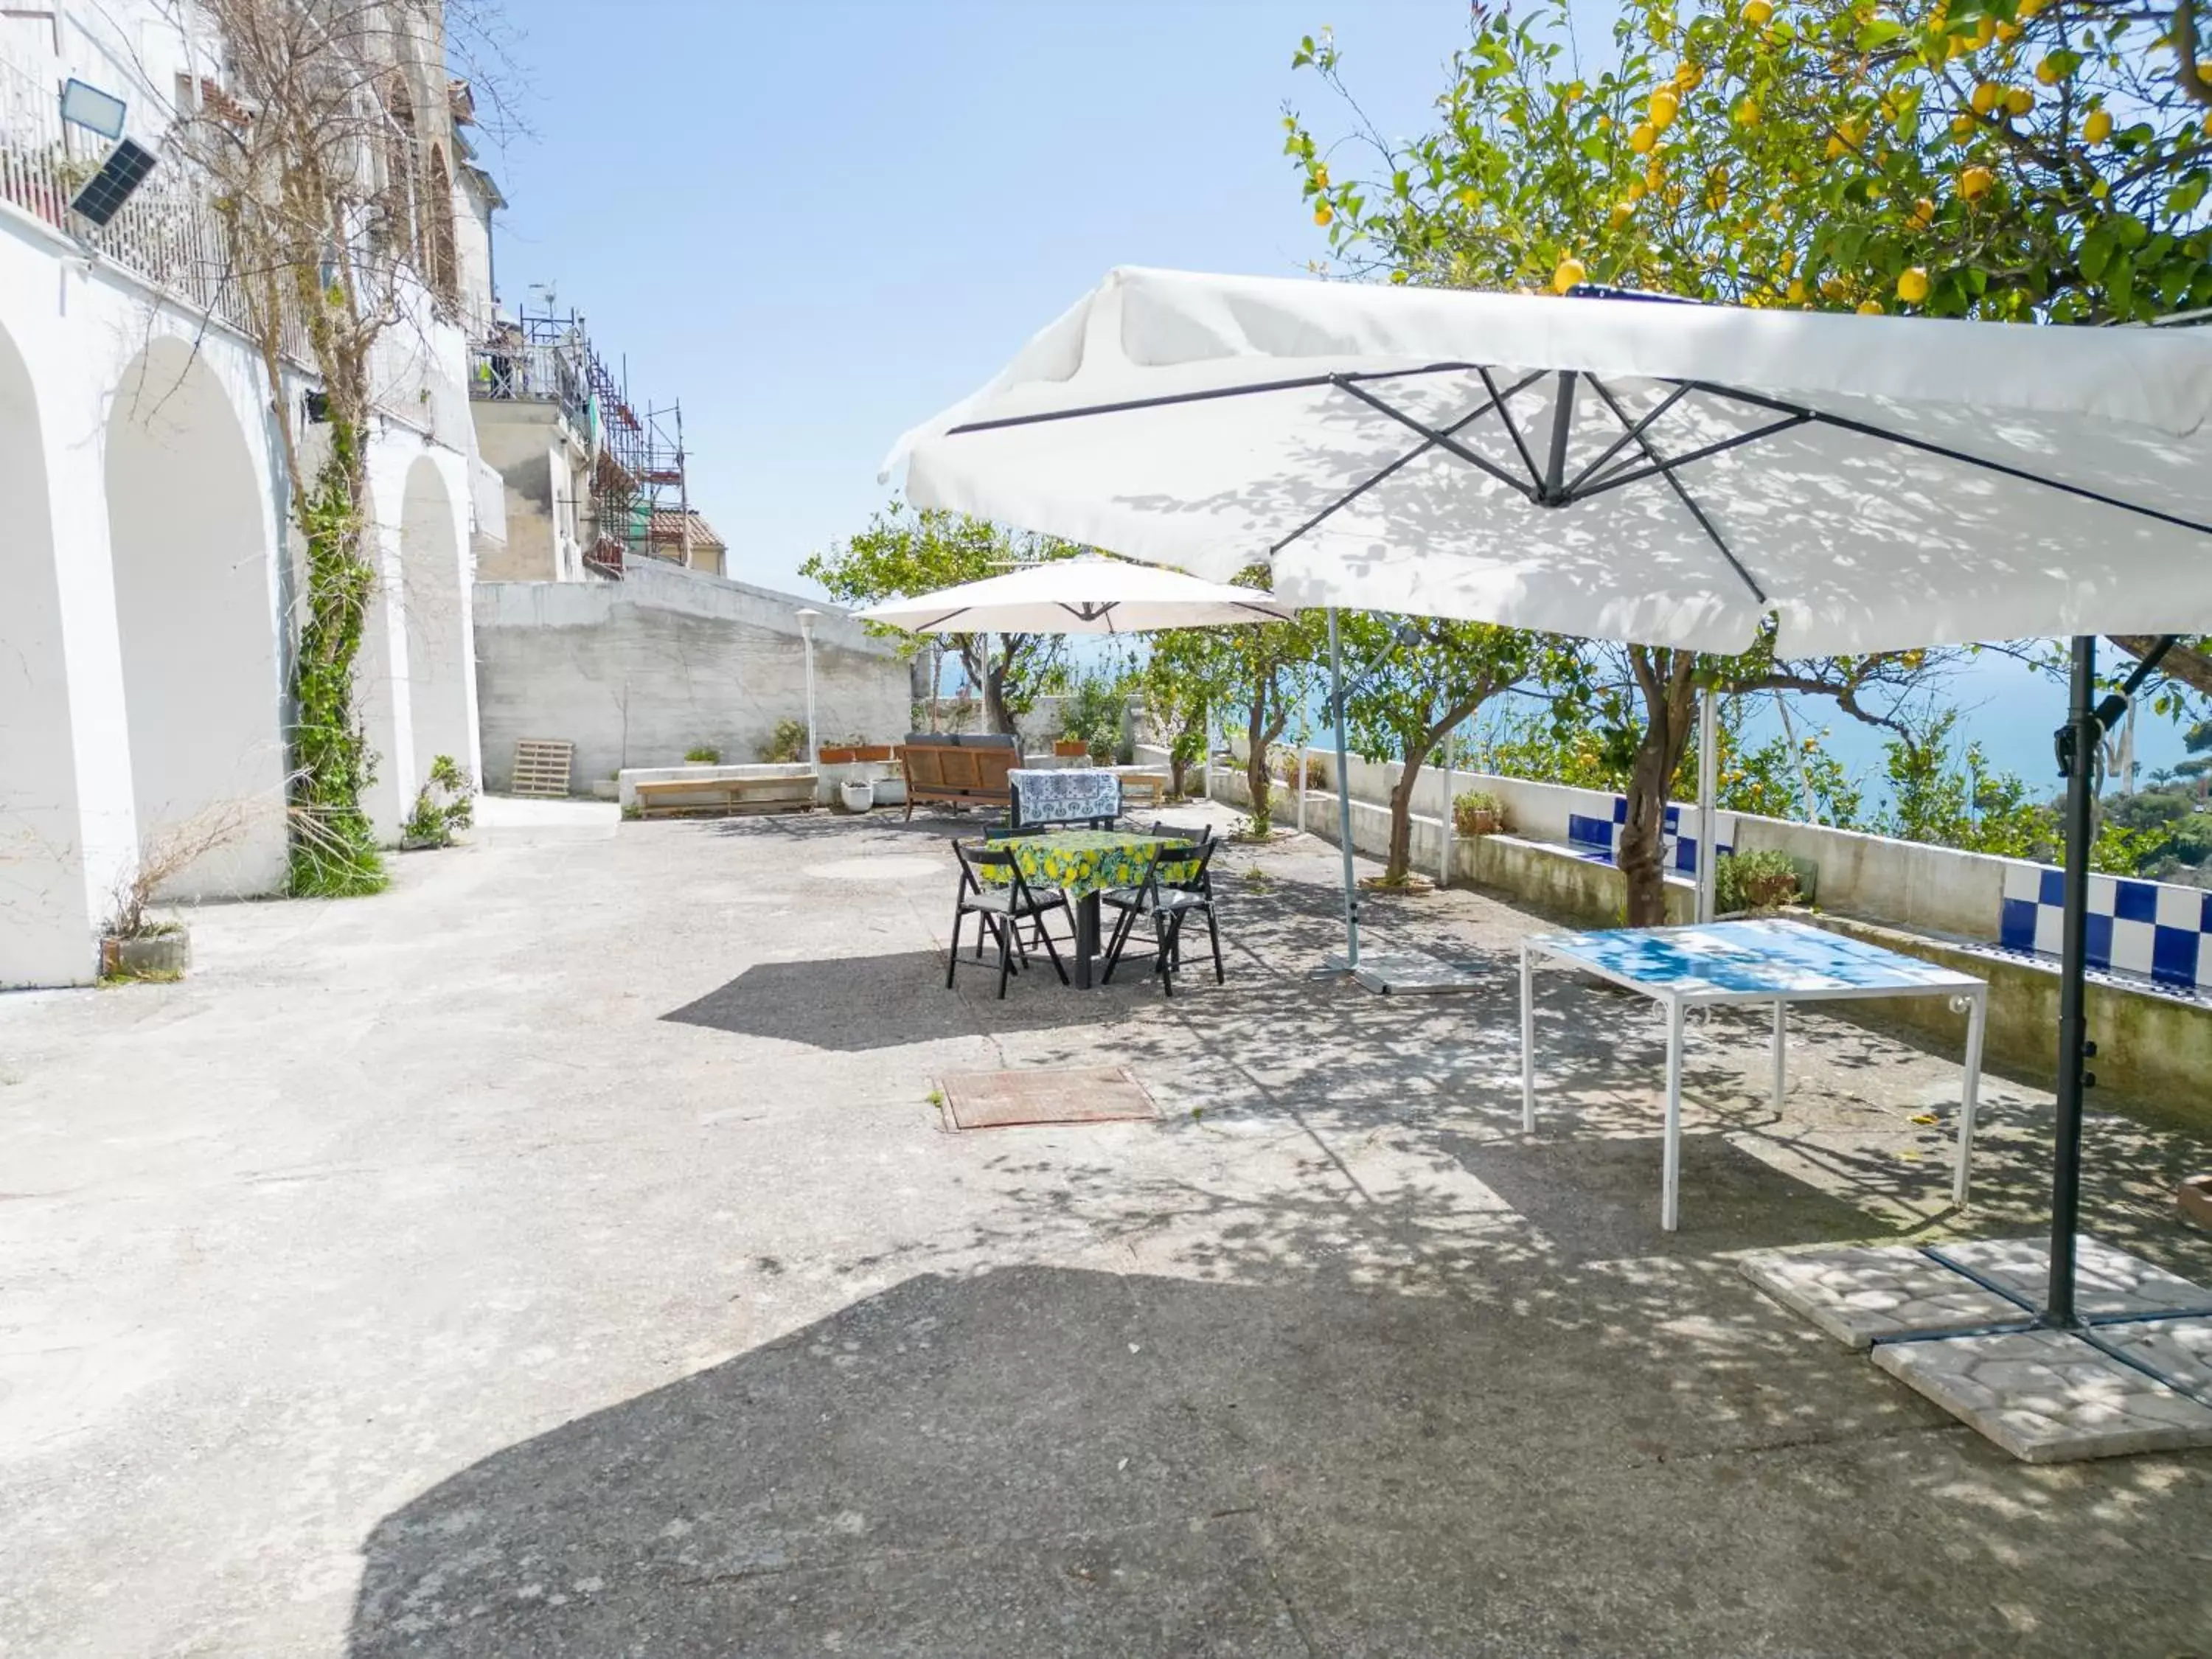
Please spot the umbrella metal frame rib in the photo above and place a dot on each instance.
(1544, 483)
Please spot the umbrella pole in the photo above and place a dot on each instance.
(1709, 769)
(1343, 799)
(2073, 1046)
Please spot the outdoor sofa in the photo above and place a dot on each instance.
(960, 771)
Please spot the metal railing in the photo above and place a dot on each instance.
(170, 237)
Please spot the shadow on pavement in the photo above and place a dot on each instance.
(852, 1004)
(1041, 1460)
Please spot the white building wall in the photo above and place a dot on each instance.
(148, 572)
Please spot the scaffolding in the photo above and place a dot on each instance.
(640, 503)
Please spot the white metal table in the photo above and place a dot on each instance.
(1737, 963)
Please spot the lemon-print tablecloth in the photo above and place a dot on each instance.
(1080, 862)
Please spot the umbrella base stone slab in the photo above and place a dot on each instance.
(1405, 973)
(2137, 1379)
(2049, 1397)
(1865, 1294)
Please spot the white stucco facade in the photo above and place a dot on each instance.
(148, 576)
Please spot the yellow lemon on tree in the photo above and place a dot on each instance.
(1869, 307)
(1961, 124)
(2208, 126)
(1663, 106)
(1687, 75)
(1796, 292)
(1923, 211)
(1986, 97)
(1976, 181)
(1320, 176)
(1985, 31)
(1747, 113)
(1836, 146)
(1645, 135)
(1912, 285)
(1570, 273)
(1621, 213)
(2019, 101)
(1635, 189)
(1757, 13)
(2047, 72)
(1323, 213)
(2097, 127)
(1397, 276)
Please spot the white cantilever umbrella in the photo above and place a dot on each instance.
(1614, 468)
(1080, 596)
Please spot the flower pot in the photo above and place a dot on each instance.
(1071, 749)
(147, 956)
(873, 751)
(830, 755)
(858, 794)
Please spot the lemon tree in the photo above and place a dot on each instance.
(2020, 160)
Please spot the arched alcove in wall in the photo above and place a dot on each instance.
(188, 537)
(46, 924)
(432, 599)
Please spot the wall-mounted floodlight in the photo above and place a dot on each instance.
(104, 193)
(87, 105)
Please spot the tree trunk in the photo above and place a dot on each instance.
(1258, 780)
(1416, 753)
(1667, 679)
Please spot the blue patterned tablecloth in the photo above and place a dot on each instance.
(1068, 795)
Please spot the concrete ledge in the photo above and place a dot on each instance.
(627, 780)
(1559, 881)
(2158, 1048)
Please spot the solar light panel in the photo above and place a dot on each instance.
(125, 170)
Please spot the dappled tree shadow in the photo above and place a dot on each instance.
(1622, 1459)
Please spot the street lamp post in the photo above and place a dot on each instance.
(807, 617)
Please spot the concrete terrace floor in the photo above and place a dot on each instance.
(561, 1256)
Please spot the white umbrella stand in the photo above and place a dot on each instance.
(1677, 475)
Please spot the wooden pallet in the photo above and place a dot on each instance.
(541, 766)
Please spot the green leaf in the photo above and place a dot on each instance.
(1879, 32)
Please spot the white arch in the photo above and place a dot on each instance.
(188, 534)
(433, 599)
(46, 925)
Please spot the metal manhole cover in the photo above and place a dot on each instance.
(999, 1100)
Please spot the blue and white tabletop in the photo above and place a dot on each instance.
(1748, 961)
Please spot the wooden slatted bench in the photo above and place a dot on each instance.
(723, 797)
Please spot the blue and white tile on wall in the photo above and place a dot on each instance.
(2150, 928)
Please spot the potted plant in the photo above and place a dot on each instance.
(1758, 880)
(840, 753)
(1070, 748)
(702, 754)
(871, 752)
(1478, 813)
(134, 944)
(859, 794)
(1092, 717)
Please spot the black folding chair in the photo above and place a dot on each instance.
(1170, 899)
(1000, 908)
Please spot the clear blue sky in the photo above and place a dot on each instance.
(818, 222)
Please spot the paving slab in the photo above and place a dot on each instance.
(1862, 1294)
(2180, 1350)
(2107, 1281)
(2048, 1397)
(1412, 973)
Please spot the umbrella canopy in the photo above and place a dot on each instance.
(1080, 596)
(1611, 467)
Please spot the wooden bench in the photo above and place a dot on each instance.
(959, 771)
(1142, 786)
(723, 797)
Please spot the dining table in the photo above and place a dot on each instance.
(1083, 864)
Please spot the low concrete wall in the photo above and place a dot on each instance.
(2157, 1050)
(1892, 893)
(1935, 889)
(637, 672)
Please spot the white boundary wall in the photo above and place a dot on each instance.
(1929, 889)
